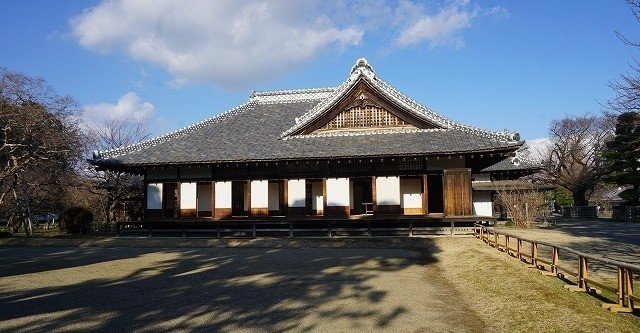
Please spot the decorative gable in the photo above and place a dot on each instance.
(361, 109)
(365, 116)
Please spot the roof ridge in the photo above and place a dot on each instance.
(111, 153)
(291, 95)
(291, 91)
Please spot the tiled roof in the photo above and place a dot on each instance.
(254, 132)
(524, 160)
(363, 71)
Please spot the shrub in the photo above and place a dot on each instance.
(76, 221)
(522, 205)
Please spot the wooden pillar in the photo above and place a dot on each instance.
(324, 196)
(425, 196)
(373, 195)
(145, 195)
(247, 196)
(285, 197)
(178, 199)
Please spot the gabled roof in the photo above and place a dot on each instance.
(362, 71)
(265, 128)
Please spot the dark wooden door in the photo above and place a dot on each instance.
(170, 199)
(237, 198)
(457, 192)
(435, 195)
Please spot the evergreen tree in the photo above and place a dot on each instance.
(623, 154)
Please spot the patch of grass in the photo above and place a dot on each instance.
(513, 298)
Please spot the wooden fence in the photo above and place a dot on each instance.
(326, 228)
(551, 265)
(580, 211)
(625, 213)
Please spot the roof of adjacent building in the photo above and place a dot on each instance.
(529, 157)
(506, 185)
(267, 128)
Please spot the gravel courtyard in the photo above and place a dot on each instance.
(448, 286)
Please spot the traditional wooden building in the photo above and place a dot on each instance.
(361, 148)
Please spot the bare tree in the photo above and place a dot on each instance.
(40, 143)
(117, 188)
(574, 159)
(627, 87)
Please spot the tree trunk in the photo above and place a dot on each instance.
(579, 197)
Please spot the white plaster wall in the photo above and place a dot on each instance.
(274, 196)
(195, 172)
(259, 194)
(481, 177)
(411, 193)
(317, 200)
(338, 192)
(482, 205)
(296, 193)
(445, 163)
(162, 173)
(388, 190)
(204, 197)
(188, 195)
(223, 195)
(154, 196)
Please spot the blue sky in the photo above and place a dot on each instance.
(491, 64)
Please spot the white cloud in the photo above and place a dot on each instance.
(236, 43)
(128, 107)
(444, 26)
(228, 43)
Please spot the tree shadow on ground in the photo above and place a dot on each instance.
(605, 229)
(211, 289)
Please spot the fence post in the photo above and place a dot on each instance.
(534, 254)
(506, 244)
(519, 249)
(495, 240)
(625, 292)
(629, 288)
(582, 273)
(554, 261)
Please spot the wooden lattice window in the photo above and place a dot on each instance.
(364, 116)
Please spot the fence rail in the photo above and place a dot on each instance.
(552, 266)
(251, 229)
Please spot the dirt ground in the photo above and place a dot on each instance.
(449, 285)
(603, 237)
